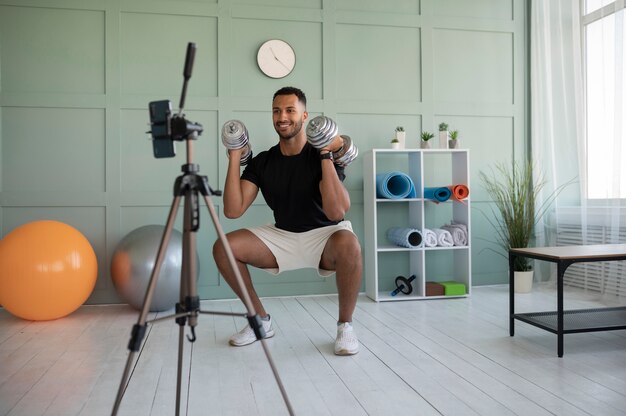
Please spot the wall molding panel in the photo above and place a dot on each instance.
(76, 78)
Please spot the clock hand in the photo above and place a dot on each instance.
(279, 61)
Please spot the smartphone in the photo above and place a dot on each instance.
(163, 148)
(160, 128)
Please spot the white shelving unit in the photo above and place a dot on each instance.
(384, 261)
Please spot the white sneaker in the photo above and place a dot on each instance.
(246, 336)
(346, 342)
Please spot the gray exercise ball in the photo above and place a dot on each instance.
(133, 262)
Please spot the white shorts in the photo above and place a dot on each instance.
(298, 250)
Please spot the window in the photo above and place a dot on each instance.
(605, 102)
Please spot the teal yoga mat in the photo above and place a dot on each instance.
(441, 194)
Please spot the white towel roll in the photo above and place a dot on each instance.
(458, 232)
(444, 238)
(430, 238)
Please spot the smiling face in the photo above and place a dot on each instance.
(288, 116)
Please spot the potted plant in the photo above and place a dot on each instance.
(443, 135)
(395, 143)
(514, 192)
(453, 142)
(401, 136)
(425, 137)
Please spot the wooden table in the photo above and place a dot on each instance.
(562, 322)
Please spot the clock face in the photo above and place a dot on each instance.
(276, 58)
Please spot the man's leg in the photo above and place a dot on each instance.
(247, 249)
(343, 254)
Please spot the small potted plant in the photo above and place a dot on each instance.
(453, 143)
(401, 136)
(443, 135)
(426, 136)
(395, 143)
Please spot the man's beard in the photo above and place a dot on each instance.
(296, 129)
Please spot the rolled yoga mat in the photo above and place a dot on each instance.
(405, 237)
(441, 194)
(459, 192)
(394, 185)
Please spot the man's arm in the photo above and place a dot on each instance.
(335, 197)
(238, 193)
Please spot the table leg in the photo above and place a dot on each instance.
(559, 306)
(511, 295)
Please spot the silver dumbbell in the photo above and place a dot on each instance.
(346, 153)
(323, 132)
(235, 136)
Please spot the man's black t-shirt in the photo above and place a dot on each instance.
(291, 187)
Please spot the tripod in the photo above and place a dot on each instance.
(188, 186)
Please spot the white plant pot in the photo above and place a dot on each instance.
(443, 139)
(523, 281)
(401, 136)
(395, 145)
(424, 144)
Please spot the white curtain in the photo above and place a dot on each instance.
(576, 129)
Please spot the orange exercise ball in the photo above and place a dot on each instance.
(47, 270)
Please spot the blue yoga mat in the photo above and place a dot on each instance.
(438, 194)
(394, 185)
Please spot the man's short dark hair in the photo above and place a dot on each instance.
(289, 91)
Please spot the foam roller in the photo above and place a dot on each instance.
(405, 237)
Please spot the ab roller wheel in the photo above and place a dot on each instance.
(403, 285)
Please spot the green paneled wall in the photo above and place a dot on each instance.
(76, 78)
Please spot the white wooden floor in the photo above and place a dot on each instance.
(435, 357)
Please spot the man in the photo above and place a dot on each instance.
(304, 189)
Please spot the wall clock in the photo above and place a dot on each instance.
(276, 58)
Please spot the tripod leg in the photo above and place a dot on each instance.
(246, 297)
(188, 285)
(179, 371)
(139, 329)
(189, 301)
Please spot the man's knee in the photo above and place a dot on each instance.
(347, 248)
(349, 241)
(246, 248)
(219, 251)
